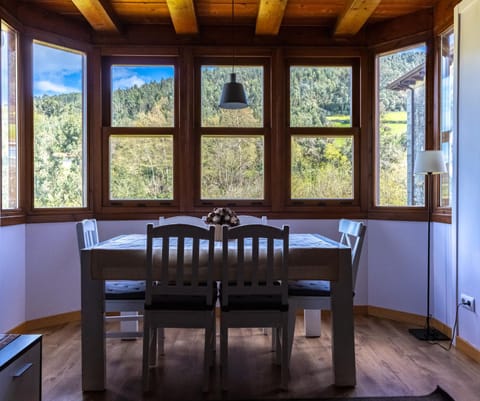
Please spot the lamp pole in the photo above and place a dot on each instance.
(429, 178)
(429, 162)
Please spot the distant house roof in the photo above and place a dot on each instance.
(409, 79)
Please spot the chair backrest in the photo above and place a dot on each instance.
(87, 233)
(185, 261)
(247, 219)
(192, 220)
(258, 264)
(352, 235)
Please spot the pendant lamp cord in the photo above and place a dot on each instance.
(233, 37)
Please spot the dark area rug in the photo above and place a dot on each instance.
(438, 395)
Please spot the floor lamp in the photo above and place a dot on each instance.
(429, 162)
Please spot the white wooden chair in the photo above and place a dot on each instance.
(126, 297)
(254, 287)
(182, 219)
(176, 294)
(247, 219)
(315, 294)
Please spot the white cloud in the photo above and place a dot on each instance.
(56, 71)
(51, 87)
(128, 82)
(49, 60)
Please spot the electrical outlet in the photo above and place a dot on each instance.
(468, 302)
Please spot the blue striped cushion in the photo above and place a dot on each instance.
(309, 288)
(124, 289)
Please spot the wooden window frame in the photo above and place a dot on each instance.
(407, 213)
(127, 206)
(265, 132)
(41, 215)
(334, 205)
(439, 213)
(276, 131)
(16, 215)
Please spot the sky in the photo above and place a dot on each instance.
(57, 71)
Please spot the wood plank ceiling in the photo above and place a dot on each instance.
(267, 17)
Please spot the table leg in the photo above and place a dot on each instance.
(343, 339)
(93, 330)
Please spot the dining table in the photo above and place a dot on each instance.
(311, 257)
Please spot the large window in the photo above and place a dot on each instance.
(9, 118)
(446, 115)
(59, 127)
(139, 127)
(233, 142)
(323, 123)
(400, 126)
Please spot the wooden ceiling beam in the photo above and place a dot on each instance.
(269, 17)
(99, 15)
(184, 19)
(354, 16)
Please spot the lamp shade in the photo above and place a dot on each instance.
(233, 95)
(430, 161)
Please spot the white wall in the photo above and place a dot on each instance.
(397, 268)
(443, 275)
(466, 217)
(53, 270)
(397, 265)
(12, 277)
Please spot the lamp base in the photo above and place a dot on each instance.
(429, 334)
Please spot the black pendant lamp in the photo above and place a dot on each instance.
(233, 94)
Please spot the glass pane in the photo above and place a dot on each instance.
(141, 167)
(321, 167)
(213, 79)
(401, 126)
(143, 95)
(9, 138)
(320, 96)
(59, 158)
(446, 116)
(232, 167)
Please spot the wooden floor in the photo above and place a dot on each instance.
(389, 362)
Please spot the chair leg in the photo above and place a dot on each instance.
(312, 322)
(214, 337)
(292, 315)
(146, 357)
(274, 339)
(152, 347)
(207, 356)
(129, 325)
(153, 350)
(276, 335)
(161, 340)
(285, 353)
(224, 355)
